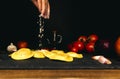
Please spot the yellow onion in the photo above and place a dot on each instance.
(117, 46)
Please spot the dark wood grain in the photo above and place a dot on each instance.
(60, 74)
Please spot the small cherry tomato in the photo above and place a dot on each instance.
(79, 45)
(92, 38)
(90, 47)
(82, 38)
(69, 46)
(74, 49)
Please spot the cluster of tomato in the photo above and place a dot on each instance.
(89, 44)
(83, 43)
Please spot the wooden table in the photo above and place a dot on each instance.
(60, 74)
(51, 73)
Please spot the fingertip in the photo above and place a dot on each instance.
(44, 16)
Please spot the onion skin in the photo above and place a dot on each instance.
(102, 59)
(11, 48)
(96, 57)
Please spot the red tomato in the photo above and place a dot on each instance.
(92, 38)
(90, 47)
(79, 45)
(22, 44)
(82, 38)
(74, 49)
(70, 46)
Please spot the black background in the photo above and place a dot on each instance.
(18, 20)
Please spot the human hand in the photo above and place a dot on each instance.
(43, 7)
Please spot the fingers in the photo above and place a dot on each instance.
(48, 11)
(45, 12)
(35, 3)
(43, 7)
(39, 3)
